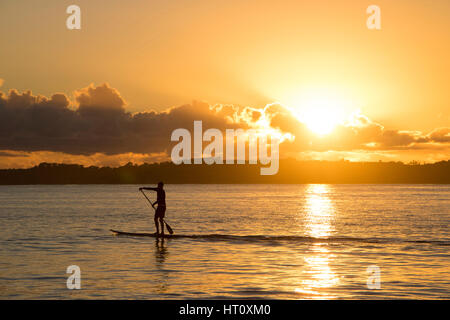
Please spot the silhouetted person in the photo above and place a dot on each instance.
(161, 209)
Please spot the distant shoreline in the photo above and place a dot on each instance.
(290, 172)
(260, 183)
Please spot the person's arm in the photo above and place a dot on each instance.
(151, 189)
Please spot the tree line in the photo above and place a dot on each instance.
(291, 171)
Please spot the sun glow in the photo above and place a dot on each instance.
(321, 111)
(321, 121)
(321, 115)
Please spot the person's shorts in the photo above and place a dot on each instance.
(160, 212)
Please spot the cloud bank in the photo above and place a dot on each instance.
(97, 125)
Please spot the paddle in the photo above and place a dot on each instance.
(167, 225)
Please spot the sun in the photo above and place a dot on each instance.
(321, 121)
(320, 115)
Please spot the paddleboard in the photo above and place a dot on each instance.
(133, 234)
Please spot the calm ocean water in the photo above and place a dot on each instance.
(249, 241)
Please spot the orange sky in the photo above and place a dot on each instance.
(305, 55)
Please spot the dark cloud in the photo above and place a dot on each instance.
(99, 101)
(441, 135)
(392, 138)
(98, 122)
(11, 154)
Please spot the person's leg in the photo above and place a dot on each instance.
(160, 213)
(156, 224)
(161, 221)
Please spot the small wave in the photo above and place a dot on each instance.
(274, 238)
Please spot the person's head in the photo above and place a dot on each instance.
(160, 184)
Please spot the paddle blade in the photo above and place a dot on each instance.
(168, 228)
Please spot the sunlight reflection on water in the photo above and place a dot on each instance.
(271, 241)
(319, 216)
